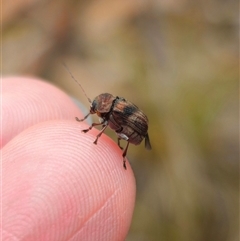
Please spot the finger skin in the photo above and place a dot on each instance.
(27, 101)
(58, 185)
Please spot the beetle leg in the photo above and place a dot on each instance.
(100, 133)
(83, 118)
(119, 143)
(124, 154)
(147, 143)
(93, 124)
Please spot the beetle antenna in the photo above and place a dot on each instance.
(89, 100)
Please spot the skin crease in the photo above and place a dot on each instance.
(58, 185)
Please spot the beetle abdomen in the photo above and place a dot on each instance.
(133, 137)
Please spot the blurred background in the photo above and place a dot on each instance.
(176, 60)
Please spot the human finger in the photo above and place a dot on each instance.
(27, 101)
(58, 185)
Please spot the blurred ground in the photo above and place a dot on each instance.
(179, 62)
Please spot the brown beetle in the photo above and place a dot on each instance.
(125, 118)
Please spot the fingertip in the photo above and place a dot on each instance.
(76, 178)
(28, 101)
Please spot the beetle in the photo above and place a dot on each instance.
(122, 116)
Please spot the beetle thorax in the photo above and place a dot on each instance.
(102, 104)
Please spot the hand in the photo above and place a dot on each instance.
(58, 185)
